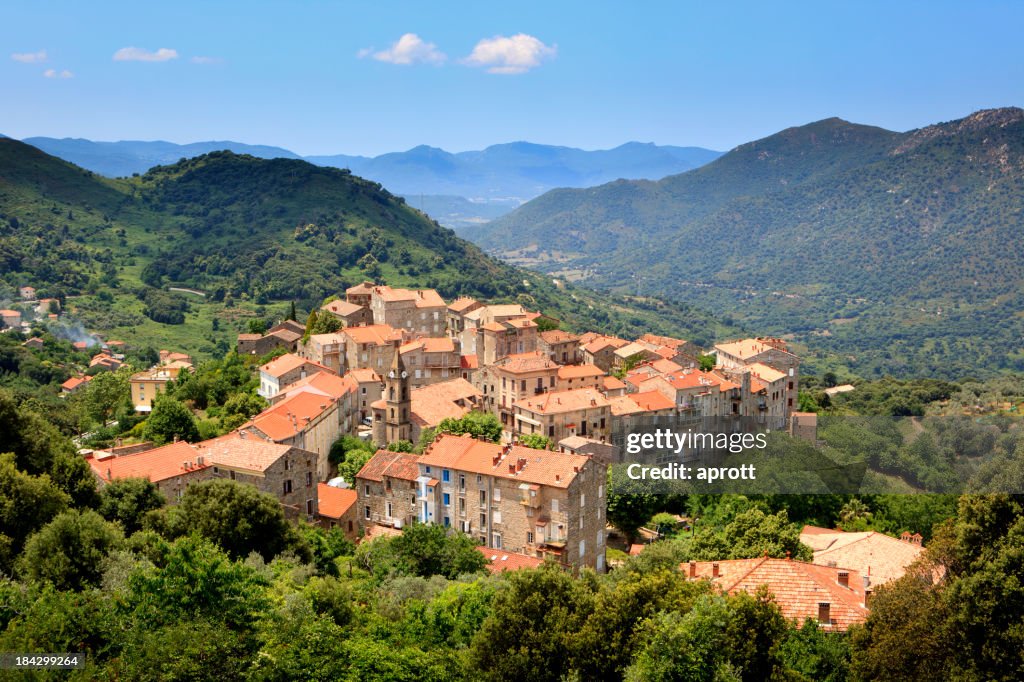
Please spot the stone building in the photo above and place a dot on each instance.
(371, 347)
(283, 371)
(515, 377)
(415, 311)
(767, 351)
(560, 414)
(386, 486)
(560, 346)
(431, 360)
(350, 314)
(534, 502)
(324, 349)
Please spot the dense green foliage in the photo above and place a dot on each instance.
(882, 252)
(249, 233)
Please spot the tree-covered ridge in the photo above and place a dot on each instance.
(248, 231)
(884, 252)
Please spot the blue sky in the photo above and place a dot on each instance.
(326, 77)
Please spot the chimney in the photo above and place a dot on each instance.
(175, 438)
(824, 612)
(495, 460)
(511, 468)
(714, 570)
(844, 578)
(693, 569)
(520, 463)
(558, 477)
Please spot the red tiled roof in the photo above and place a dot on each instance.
(652, 401)
(400, 465)
(564, 401)
(579, 371)
(460, 304)
(429, 345)
(288, 362)
(541, 467)
(432, 404)
(322, 383)
(877, 556)
(667, 341)
(553, 336)
(237, 452)
(74, 382)
(373, 334)
(291, 416)
(156, 465)
(334, 502)
(499, 560)
(612, 383)
(521, 363)
(469, 362)
(799, 587)
(342, 308)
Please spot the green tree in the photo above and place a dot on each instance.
(476, 424)
(422, 550)
(69, 551)
(751, 534)
(815, 654)
(238, 518)
(531, 626)
(27, 503)
(106, 396)
(400, 446)
(628, 509)
(707, 362)
(170, 420)
(537, 441)
(127, 500)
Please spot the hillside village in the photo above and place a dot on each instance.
(399, 364)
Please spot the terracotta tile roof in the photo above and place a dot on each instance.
(522, 363)
(651, 401)
(322, 383)
(540, 467)
(362, 288)
(424, 298)
(601, 342)
(250, 337)
(399, 465)
(579, 371)
(375, 530)
(692, 378)
(553, 336)
(499, 560)
(327, 339)
(289, 362)
(286, 335)
(564, 401)
(621, 405)
(429, 345)
(334, 502)
(666, 366)
(74, 382)
(432, 404)
(877, 556)
(364, 375)
(636, 549)
(462, 303)
(237, 452)
(766, 373)
(631, 349)
(158, 464)
(744, 349)
(612, 383)
(799, 587)
(469, 362)
(667, 341)
(373, 334)
(291, 416)
(342, 308)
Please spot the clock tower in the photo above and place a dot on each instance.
(398, 404)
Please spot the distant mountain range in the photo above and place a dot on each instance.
(491, 181)
(899, 252)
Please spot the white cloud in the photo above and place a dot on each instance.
(512, 54)
(137, 54)
(409, 49)
(29, 57)
(54, 73)
(206, 60)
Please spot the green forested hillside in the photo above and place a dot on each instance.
(882, 252)
(252, 235)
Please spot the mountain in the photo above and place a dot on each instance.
(123, 158)
(249, 234)
(886, 252)
(516, 170)
(492, 181)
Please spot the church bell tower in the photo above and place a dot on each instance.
(398, 404)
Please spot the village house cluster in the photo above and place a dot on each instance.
(403, 361)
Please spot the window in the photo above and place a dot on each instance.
(232, 475)
(287, 464)
(483, 520)
(581, 523)
(309, 479)
(600, 491)
(529, 537)
(216, 470)
(583, 547)
(496, 516)
(446, 476)
(388, 512)
(462, 481)
(583, 500)
(287, 486)
(366, 513)
(497, 495)
(447, 499)
(366, 489)
(496, 540)
(483, 497)
(554, 506)
(447, 521)
(427, 469)
(462, 506)
(309, 507)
